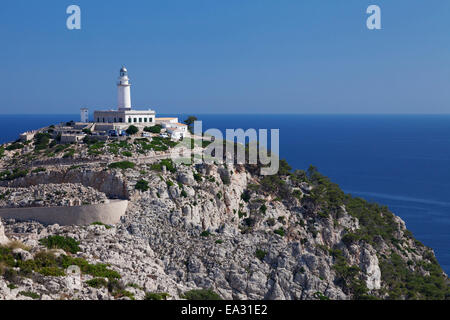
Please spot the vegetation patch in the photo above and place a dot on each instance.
(280, 232)
(97, 283)
(132, 130)
(15, 146)
(142, 185)
(30, 294)
(156, 296)
(168, 163)
(205, 234)
(154, 129)
(260, 254)
(122, 165)
(16, 173)
(201, 294)
(41, 141)
(101, 224)
(69, 153)
(67, 244)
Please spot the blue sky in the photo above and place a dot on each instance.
(234, 56)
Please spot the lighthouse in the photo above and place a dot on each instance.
(123, 91)
(124, 115)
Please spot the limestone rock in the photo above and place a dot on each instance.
(3, 239)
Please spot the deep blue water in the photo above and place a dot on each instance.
(397, 160)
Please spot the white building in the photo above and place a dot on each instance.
(176, 130)
(162, 121)
(124, 113)
(176, 126)
(84, 115)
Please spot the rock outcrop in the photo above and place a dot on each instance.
(225, 228)
(3, 239)
(51, 195)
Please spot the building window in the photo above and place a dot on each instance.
(129, 120)
(98, 119)
(135, 119)
(151, 120)
(140, 120)
(145, 119)
(114, 119)
(103, 120)
(120, 119)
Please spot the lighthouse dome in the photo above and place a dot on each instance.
(123, 69)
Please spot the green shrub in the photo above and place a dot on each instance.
(156, 296)
(241, 214)
(14, 174)
(205, 234)
(37, 170)
(350, 238)
(260, 254)
(320, 296)
(90, 140)
(41, 141)
(155, 129)
(98, 270)
(67, 244)
(169, 183)
(60, 148)
(169, 165)
(245, 196)
(30, 294)
(70, 153)
(165, 162)
(51, 271)
(15, 146)
(201, 294)
(198, 177)
(127, 154)
(263, 209)
(97, 283)
(123, 293)
(280, 232)
(142, 185)
(132, 130)
(122, 165)
(101, 224)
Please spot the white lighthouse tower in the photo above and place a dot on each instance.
(123, 91)
(125, 116)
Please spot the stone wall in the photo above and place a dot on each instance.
(111, 184)
(108, 213)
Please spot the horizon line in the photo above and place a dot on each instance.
(253, 114)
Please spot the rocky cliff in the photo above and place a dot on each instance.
(294, 235)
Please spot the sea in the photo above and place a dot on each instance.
(401, 161)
